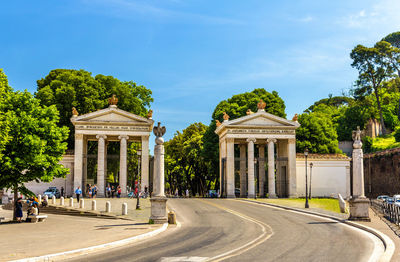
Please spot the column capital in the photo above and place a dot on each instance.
(101, 136)
(230, 140)
(145, 137)
(251, 139)
(123, 137)
(291, 140)
(271, 140)
(78, 136)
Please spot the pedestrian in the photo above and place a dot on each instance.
(90, 192)
(176, 193)
(95, 191)
(62, 191)
(108, 189)
(18, 210)
(119, 191)
(112, 191)
(187, 192)
(146, 191)
(78, 193)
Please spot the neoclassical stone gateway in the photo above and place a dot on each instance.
(260, 130)
(110, 124)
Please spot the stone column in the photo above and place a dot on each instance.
(101, 165)
(222, 178)
(291, 168)
(78, 162)
(359, 204)
(158, 199)
(145, 164)
(123, 164)
(250, 167)
(84, 167)
(230, 168)
(271, 168)
(243, 180)
(261, 170)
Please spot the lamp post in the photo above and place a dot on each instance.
(139, 153)
(306, 154)
(311, 166)
(255, 180)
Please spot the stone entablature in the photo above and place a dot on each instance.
(338, 157)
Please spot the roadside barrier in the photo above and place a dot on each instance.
(81, 203)
(61, 201)
(93, 205)
(71, 202)
(108, 207)
(124, 209)
(390, 211)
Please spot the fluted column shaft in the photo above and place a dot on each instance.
(250, 167)
(271, 168)
(261, 170)
(123, 163)
(243, 180)
(101, 152)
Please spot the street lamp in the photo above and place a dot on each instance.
(311, 166)
(255, 178)
(306, 154)
(139, 153)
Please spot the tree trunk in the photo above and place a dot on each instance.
(380, 112)
(15, 189)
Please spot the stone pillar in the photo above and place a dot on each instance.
(124, 209)
(230, 168)
(123, 164)
(84, 167)
(271, 168)
(243, 180)
(53, 200)
(101, 165)
(78, 155)
(81, 203)
(359, 204)
(222, 171)
(61, 201)
(108, 206)
(158, 199)
(145, 164)
(261, 170)
(250, 168)
(71, 202)
(291, 168)
(94, 205)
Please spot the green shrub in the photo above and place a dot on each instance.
(367, 144)
(397, 134)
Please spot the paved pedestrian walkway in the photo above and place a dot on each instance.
(61, 233)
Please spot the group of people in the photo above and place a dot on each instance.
(33, 208)
(111, 191)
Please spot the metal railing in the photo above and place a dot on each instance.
(390, 211)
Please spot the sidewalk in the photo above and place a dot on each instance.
(61, 233)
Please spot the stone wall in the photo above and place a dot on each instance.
(382, 173)
(330, 175)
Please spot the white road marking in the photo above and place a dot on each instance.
(378, 250)
(183, 259)
(252, 244)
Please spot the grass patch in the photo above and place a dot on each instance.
(329, 204)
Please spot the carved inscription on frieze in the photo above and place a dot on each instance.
(261, 131)
(117, 128)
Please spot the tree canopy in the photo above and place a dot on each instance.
(4, 127)
(67, 88)
(36, 146)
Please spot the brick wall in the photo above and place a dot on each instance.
(382, 173)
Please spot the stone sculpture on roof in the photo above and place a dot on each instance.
(113, 100)
(261, 104)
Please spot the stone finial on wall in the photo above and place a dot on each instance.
(74, 112)
(356, 135)
(295, 117)
(226, 117)
(218, 123)
(113, 101)
(150, 114)
(249, 112)
(261, 105)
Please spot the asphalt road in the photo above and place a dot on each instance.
(233, 230)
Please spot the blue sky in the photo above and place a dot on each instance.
(193, 54)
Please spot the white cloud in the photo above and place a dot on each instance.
(306, 19)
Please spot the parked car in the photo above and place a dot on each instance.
(389, 200)
(382, 197)
(395, 197)
(52, 191)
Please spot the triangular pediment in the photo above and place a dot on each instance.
(111, 115)
(261, 119)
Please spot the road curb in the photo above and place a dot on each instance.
(387, 242)
(102, 247)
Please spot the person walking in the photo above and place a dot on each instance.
(78, 193)
(90, 192)
(62, 191)
(187, 192)
(108, 189)
(112, 191)
(18, 210)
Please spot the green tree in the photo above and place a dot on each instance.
(185, 167)
(393, 39)
(37, 143)
(373, 70)
(317, 133)
(4, 123)
(67, 88)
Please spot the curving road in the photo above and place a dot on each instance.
(233, 230)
